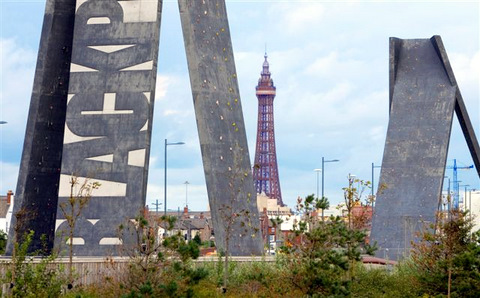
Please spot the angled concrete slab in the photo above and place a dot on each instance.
(221, 126)
(423, 97)
(36, 196)
(109, 117)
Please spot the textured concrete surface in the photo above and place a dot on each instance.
(109, 117)
(221, 126)
(37, 186)
(423, 98)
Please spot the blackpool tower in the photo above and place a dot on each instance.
(265, 169)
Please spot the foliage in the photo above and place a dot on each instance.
(247, 279)
(157, 267)
(446, 260)
(30, 278)
(3, 242)
(353, 196)
(80, 194)
(197, 240)
(318, 255)
(236, 219)
(323, 204)
(379, 282)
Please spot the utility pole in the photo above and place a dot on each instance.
(156, 204)
(373, 178)
(186, 193)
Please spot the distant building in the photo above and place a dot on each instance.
(6, 209)
(472, 202)
(275, 221)
(189, 224)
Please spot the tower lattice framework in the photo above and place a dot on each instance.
(265, 169)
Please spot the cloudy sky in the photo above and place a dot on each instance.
(329, 61)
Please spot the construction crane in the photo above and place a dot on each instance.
(456, 196)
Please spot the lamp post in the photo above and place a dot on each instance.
(456, 203)
(373, 178)
(318, 175)
(351, 179)
(165, 175)
(323, 173)
(470, 206)
(186, 192)
(464, 197)
(3, 122)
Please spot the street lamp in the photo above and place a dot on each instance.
(3, 122)
(464, 197)
(318, 174)
(373, 178)
(186, 192)
(351, 179)
(470, 205)
(323, 172)
(165, 186)
(448, 194)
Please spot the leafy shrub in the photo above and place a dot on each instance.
(33, 279)
(157, 268)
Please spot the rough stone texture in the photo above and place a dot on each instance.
(423, 97)
(221, 126)
(109, 117)
(37, 187)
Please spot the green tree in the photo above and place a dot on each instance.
(235, 214)
(353, 196)
(3, 242)
(197, 239)
(29, 277)
(323, 204)
(157, 267)
(319, 254)
(446, 258)
(80, 194)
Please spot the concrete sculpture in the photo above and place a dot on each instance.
(221, 128)
(423, 97)
(91, 117)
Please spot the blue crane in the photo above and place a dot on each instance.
(456, 197)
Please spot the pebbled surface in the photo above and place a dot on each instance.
(37, 186)
(109, 118)
(221, 126)
(422, 102)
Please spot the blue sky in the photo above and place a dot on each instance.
(329, 61)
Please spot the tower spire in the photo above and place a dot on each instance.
(266, 69)
(265, 170)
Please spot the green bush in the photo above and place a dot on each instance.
(448, 254)
(156, 268)
(31, 278)
(380, 282)
(3, 242)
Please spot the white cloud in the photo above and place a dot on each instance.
(16, 79)
(171, 112)
(466, 69)
(163, 82)
(332, 65)
(298, 17)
